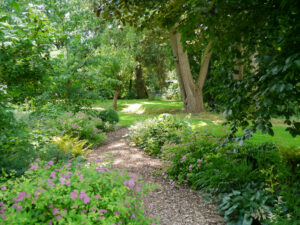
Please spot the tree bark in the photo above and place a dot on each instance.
(191, 91)
(140, 83)
(117, 92)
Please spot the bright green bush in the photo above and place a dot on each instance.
(72, 145)
(72, 193)
(152, 134)
(109, 115)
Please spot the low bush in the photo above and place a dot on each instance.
(72, 193)
(152, 134)
(79, 125)
(109, 115)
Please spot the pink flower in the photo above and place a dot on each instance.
(55, 211)
(121, 174)
(129, 183)
(82, 195)
(73, 194)
(190, 167)
(198, 165)
(3, 188)
(20, 196)
(62, 180)
(67, 183)
(81, 177)
(50, 163)
(133, 216)
(33, 167)
(86, 200)
(102, 170)
(84, 211)
(116, 213)
(58, 217)
(50, 206)
(132, 175)
(68, 165)
(103, 210)
(53, 175)
(69, 174)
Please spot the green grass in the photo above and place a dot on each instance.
(133, 111)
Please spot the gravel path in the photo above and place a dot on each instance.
(173, 205)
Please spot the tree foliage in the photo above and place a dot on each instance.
(259, 40)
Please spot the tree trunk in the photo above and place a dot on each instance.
(140, 83)
(191, 91)
(116, 97)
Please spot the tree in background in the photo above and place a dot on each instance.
(254, 45)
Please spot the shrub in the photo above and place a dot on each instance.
(72, 146)
(72, 193)
(16, 151)
(200, 161)
(152, 134)
(109, 115)
(80, 125)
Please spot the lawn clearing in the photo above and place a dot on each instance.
(133, 111)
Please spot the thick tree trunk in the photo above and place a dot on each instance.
(191, 91)
(116, 97)
(140, 83)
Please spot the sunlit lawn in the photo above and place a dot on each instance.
(133, 111)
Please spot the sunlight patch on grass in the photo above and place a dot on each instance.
(199, 124)
(134, 108)
(217, 122)
(98, 108)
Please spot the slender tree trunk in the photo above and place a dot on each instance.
(191, 91)
(117, 92)
(140, 83)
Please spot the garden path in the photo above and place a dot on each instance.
(174, 205)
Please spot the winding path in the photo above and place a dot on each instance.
(174, 205)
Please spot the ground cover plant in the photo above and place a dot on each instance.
(253, 183)
(75, 193)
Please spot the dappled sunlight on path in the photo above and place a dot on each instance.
(172, 204)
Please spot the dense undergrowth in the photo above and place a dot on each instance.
(253, 183)
(45, 178)
(50, 131)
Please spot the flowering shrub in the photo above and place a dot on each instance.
(152, 134)
(72, 193)
(82, 125)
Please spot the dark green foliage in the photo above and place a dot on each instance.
(109, 115)
(246, 205)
